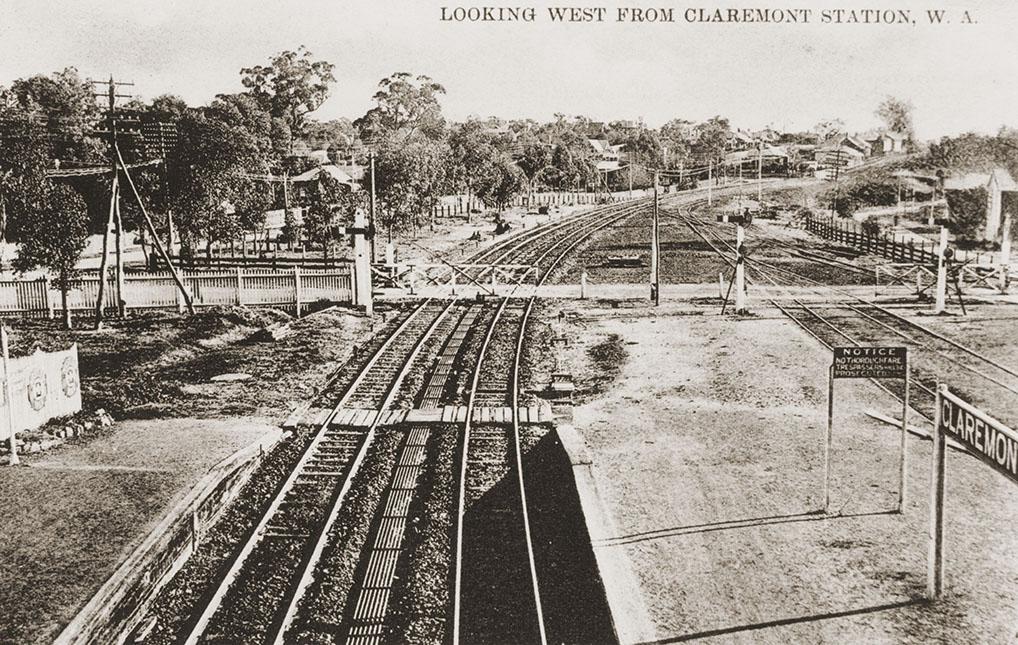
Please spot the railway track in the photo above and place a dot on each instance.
(256, 599)
(533, 246)
(496, 590)
(366, 619)
(843, 318)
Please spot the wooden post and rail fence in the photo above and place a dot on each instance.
(294, 288)
(886, 245)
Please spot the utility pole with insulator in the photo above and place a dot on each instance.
(114, 216)
(655, 250)
(371, 210)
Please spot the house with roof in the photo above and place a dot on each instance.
(856, 143)
(834, 158)
(1001, 197)
(886, 143)
(773, 158)
(740, 140)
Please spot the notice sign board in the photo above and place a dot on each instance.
(870, 362)
(983, 436)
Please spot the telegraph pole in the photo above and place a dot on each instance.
(630, 177)
(112, 96)
(371, 210)
(740, 271)
(655, 251)
(759, 176)
(710, 182)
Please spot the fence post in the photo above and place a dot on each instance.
(180, 296)
(297, 289)
(47, 301)
(240, 285)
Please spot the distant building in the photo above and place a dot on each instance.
(886, 143)
(834, 158)
(609, 156)
(332, 170)
(774, 158)
(855, 143)
(740, 140)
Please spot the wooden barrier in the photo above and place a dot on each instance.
(259, 287)
(895, 250)
(118, 608)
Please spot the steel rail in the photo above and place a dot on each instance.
(461, 504)
(519, 469)
(199, 628)
(907, 322)
(323, 536)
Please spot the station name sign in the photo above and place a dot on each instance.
(870, 362)
(983, 436)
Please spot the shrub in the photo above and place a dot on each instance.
(968, 212)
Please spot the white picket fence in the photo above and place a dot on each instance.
(293, 289)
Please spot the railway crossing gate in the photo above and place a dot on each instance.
(486, 278)
(868, 363)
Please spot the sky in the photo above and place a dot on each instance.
(959, 77)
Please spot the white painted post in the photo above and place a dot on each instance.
(9, 398)
(452, 283)
(655, 284)
(240, 286)
(494, 281)
(297, 290)
(740, 271)
(935, 559)
(180, 297)
(583, 285)
(721, 285)
(1005, 253)
(829, 438)
(362, 260)
(903, 466)
(938, 307)
(390, 255)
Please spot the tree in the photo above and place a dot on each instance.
(408, 178)
(335, 136)
(168, 107)
(502, 181)
(24, 158)
(290, 87)
(52, 236)
(897, 116)
(65, 104)
(405, 106)
(271, 134)
(829, 129)
(471, 157)
(676, 135)
(534, 159)
(210, 184)
(327, 206)
(712, 138)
